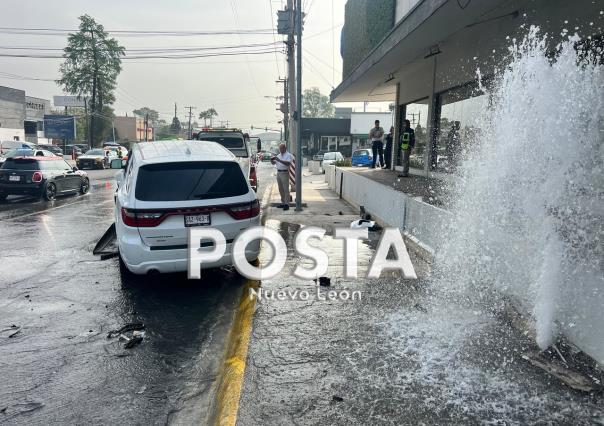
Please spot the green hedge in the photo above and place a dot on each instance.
(366, 23)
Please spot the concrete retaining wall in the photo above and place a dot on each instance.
(390, 207)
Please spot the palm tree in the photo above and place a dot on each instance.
(208, 114)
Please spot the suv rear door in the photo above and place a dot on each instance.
(167, 192)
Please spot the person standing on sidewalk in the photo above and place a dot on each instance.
(282, 163)
(376, 134)
(388, 149)
(407, 143)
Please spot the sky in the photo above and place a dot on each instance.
(239, 87)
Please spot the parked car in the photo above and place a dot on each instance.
(234, 141)
(26, 152)
(362, 158)
(82, 146)
(70, 148)
(52, 148)
(46, 176)
(96, 159)
(6, 146)
(167, 187)
(331, 158)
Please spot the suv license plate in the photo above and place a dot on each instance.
(197, 220)
(14, 178)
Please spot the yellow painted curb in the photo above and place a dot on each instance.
(233, 369)
(226, 403)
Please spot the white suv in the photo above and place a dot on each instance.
(167, 187)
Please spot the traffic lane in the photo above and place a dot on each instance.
(16, 205)
(61, 367)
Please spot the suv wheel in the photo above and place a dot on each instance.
(50, 191)
(85, 186)
(3, 197)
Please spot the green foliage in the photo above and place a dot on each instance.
(366, 23)
(316, 105)
(92, 64)
(144, 111)
(344, 163)
(208, 114)
(175, 127)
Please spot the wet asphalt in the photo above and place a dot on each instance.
(58, 302)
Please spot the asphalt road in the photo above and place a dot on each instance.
(58, 302)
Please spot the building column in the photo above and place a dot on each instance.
(432, 122)
(397, 125)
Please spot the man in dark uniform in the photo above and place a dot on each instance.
(407, 142)
(388, 149)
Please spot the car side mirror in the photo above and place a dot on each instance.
(117, 163)
(74, 168)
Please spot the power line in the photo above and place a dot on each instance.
(189, 56)
(157, 49)
(135, 33)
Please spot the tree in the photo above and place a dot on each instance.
(175, 127)
(144, 111)
(208, 114)
(92, 64)
(315, 104)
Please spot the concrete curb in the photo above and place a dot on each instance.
(232, 372)
(226, 404)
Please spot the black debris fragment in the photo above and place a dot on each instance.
(128, 327)
(324, 281)
(133, 342)
(13, 334)
(337, 398)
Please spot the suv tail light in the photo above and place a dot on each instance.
(37, 177)
(247, 211)
(141, 219)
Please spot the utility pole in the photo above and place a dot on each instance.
(291, 79)
(299, 162)
(190, 108)
(285, 107)
(146, 127)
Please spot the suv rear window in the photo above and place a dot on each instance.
(21, 164)
(190, 181)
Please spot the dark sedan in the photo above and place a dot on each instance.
(47, 177)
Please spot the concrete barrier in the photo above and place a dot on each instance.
(390, 207)
(315, 167)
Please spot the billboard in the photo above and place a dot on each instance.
(60, 126)
(69, 101)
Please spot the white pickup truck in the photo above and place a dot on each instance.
(234, 141)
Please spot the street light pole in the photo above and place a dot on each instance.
(300, 161)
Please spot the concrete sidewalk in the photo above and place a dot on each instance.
(405, 353)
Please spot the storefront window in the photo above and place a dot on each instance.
(458, 130)
(417, 114)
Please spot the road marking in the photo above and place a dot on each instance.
(232, 371)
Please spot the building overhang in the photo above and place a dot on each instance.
(414, 38)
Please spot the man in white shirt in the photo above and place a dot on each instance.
(376, 134)
(282, 163)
